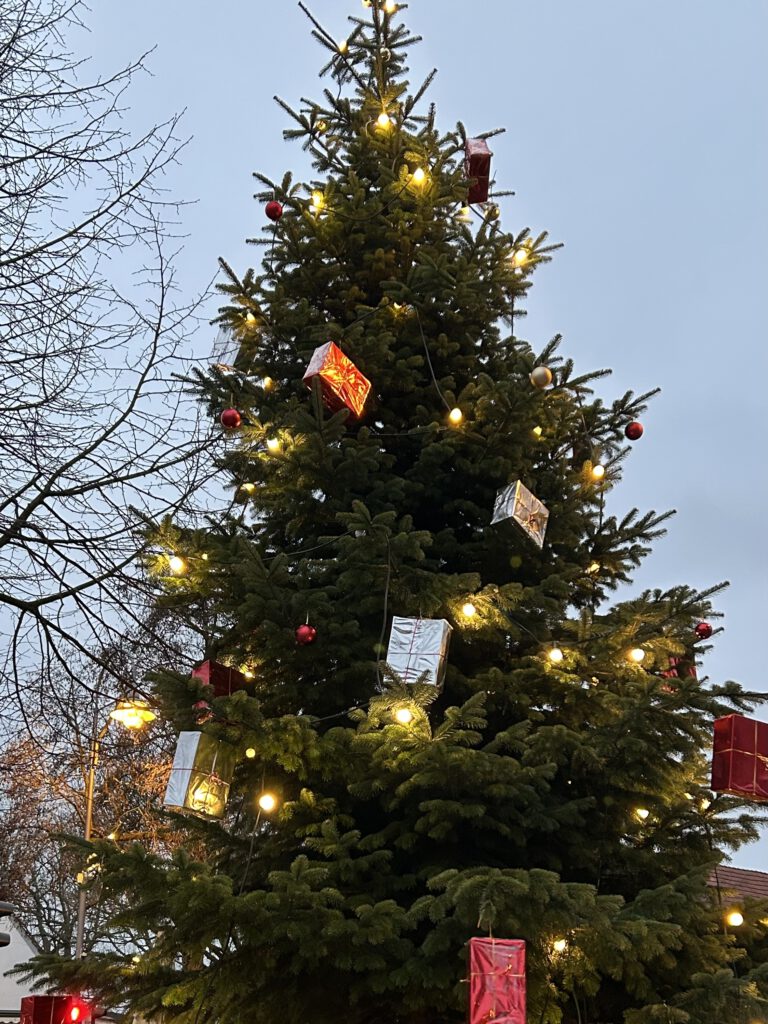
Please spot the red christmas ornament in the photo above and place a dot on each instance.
(274, 210)
(231, 419)
(306, 634)
(703, 631)
(634, 430)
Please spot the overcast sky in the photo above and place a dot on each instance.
(636, 134)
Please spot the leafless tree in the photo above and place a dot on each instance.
(96, 435)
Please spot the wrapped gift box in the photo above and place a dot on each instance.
(679, 668)
(740, 757)
(497, 981)
(201, 775)
(343, 386)
(478, 167)
(518, 503)
(224, 679)
(417, 646)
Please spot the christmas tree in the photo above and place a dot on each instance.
(441, 721)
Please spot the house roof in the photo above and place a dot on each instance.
(748, 884)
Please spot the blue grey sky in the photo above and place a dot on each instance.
(636, 134)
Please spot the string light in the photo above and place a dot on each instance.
(250, 317)
(521, 256)
(456, 416)
(636, 655)
(321, 126)
(419, 176)
(598, 471)
(266, 383)
(555, 655)
(464, 215)
(267, 802)
(642, 813)
(593, 568)
(404, 716)
(390, 6)
(560, 945)
(248, 673)
(468, 610)
(177, 565)
(248, 488)
(204, 556)
(250, 753)
(734, 918)
(384, 120)
(273, 443)
(318, 202)
(537, 431)
(343, 46)
(705, 804)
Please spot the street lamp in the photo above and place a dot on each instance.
(131, 714)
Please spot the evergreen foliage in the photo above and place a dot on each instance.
(508, 805)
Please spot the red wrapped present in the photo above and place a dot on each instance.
(496, 981)
(224, 679)
(679, 668)
(478, 167)
(740, 757)
(343, 385)
(55, 1010)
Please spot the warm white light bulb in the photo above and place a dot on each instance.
(177, 565)
(520, 257)
(383, 120)
(735, 919)
(456, 416)
(343, 46)
(250, 753)
(266, 383)
(538, 431)
(273, 444)
(404, 716)
(468, 610)
(390, 6)
(267, 802)
(419, 176)
(598, 472)
(642, 813)
(555, 655)
(637, 655)
(593, 568)
(560, 945)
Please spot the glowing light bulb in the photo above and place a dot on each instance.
(177, 565)
(636, 655)
(538, 431)
(734, 918)
(273, 444)
(642, 813)
(250, 753)
(204, 556)
(520, 257)
(383, 120)
(598, 472)
(250, 317)
(419, 176)
(404, 716)
(318, 202)
(321, 126)
(555, 655)
(705, 804)
(593, 568)
(343, 46)
(248, 673)
(465, 215)
(267, 802)
(266, 383)
(112, 837)
(468, 610)
(248, 488)
(456, 416)
(560, 945)
(390, 6)
(135, 959)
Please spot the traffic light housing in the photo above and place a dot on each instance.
(55, 1010)
(5, 910)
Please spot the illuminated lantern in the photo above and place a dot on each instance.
(343, 386)
(497, 981)
(224, 679)
(201, 775)
(740, 757)
(478, 167)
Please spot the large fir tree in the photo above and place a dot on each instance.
(563, 802)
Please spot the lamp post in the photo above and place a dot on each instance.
(131, 714)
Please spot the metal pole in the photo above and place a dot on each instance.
(89, 790)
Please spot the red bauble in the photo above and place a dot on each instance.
(703, 631)
(634, 430)
(274, 210)
(306, 635)
(231, 419)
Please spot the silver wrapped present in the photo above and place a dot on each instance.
(417, 646)
(201, 775)
(518, 503)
